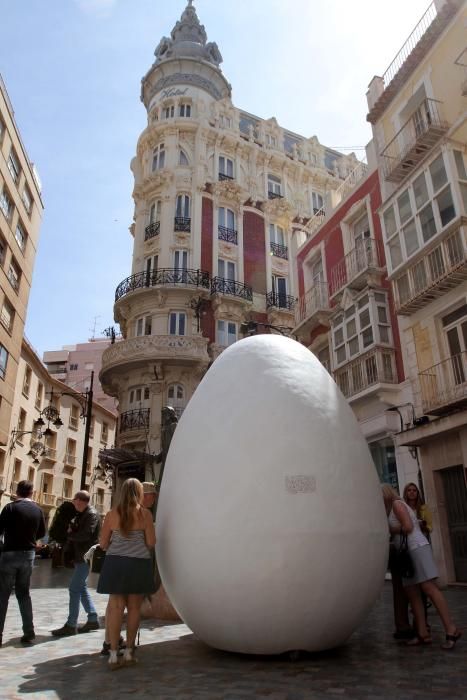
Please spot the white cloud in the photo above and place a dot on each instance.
(101, 8)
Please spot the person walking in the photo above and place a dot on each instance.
(83, 533)
(21, 524)
(403, 521)
(128, 537)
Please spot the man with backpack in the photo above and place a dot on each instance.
(83, 532)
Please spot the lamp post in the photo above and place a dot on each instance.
(85, 400)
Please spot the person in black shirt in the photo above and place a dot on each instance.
(21, 524)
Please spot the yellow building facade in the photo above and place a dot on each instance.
(418, 110)
(52, 456)
(20, 218)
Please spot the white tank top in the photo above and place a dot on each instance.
(416, 538)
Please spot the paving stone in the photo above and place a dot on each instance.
(173, 664)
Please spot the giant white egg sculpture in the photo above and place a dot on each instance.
(271, 530)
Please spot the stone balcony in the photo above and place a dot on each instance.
(138, 352)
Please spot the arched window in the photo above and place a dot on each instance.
(182, 159)
(176, 398)
(158, 157)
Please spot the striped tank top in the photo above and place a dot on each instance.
(132, 546)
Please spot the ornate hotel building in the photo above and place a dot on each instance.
(418, 111)
(222, 201)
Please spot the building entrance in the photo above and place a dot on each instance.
(455, 497)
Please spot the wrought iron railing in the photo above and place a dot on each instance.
(70, 459)
(224, 176)
(182, 223)
(275, 195)
(377, 366)
(362, 258)
(413, 140)
(279, 250)
(410, 44)
(152, 230)
(445, 384)
(163, 277)
(280, 301)
(227, 234)
(315, 299)
(136, 419)
(220, 285)
(440, 268)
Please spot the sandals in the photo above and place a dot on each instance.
(419, 641)
(451, 640)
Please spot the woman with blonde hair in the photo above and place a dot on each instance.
(413, 498)
(403, 521)
(128, 537)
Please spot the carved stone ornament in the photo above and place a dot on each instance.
(278, 208)
(228, 250)
(231, 309)
(150, 347)
(182, 238)
(229, 190)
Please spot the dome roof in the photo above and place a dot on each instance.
(188, 39)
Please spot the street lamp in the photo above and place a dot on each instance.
(52, 414)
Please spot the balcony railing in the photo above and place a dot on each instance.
(136, 419)
(73, 422)
(45, 499)
(353, 178)
(100, 508)
(275, 195)
(227, 234)
(50, 453)
(220, 285)
(224, 176)
(152, 230)
(280, 251)
(444, 386)
(278, 300)
(352, 269)
(163, 277)
(314, 301)
(413, 141)
(182, 223)
(2, 484)
(441, 268)
(375, 367)
(410, 44)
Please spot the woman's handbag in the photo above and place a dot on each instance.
(401, 560)
(97, 560)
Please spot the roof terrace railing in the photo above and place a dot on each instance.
(410, 44)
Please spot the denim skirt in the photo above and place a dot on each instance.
(126, 576)
(423, 564)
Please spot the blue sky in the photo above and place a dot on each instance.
(73, 70)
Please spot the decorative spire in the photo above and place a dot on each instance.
(188, 39)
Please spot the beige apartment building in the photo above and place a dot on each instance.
(418, 111)
(20, 219)
(51, 454)
(73, 365)
(222, 198)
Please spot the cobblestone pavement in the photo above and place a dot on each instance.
(174, 664)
